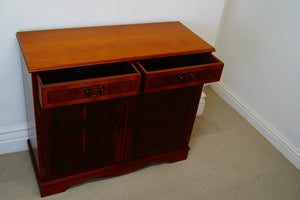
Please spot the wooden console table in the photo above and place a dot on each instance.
(109, 100)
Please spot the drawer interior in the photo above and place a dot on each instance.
(177, 61)
(86, 72)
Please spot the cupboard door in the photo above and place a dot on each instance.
(65, 140)
(85, 136)
(104, 128)
(163, 121)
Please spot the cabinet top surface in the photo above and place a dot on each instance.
(64, 48)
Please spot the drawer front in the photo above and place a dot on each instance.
(103, 90)
(87, 90)
(181, 77)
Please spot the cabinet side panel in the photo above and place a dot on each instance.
(193, 111)
(29, 104)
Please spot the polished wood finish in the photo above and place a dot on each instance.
(161, 121)
(88, 135)
(180, 71)
(72, 92)
(65, 48)
(61, 184)
(96, 116)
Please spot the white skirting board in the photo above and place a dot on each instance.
(201, 104)
(13, 138)
(277, 139)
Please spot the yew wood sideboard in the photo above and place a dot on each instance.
(109, 100)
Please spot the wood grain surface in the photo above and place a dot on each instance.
(94, 120)
(64, 48)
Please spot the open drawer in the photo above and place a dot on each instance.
(87, 84)
(180, 71)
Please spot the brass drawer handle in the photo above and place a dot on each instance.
(192, 75)
(181, 78)
(88, 91)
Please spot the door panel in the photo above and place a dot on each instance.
(85, 136)
(161, 122)
(104, 132)
(65, 138)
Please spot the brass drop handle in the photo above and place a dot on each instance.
(181, 78)
(88, 91)
(192, 75)
(100, 89)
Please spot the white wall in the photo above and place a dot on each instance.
(202, 16)
(259, 43)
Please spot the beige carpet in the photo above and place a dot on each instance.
(229, 159)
